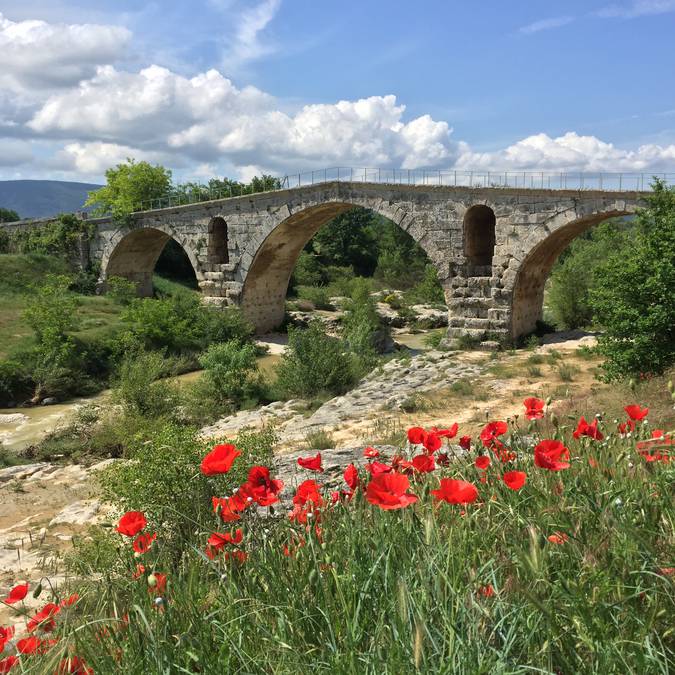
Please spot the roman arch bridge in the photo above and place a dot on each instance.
(493, 247)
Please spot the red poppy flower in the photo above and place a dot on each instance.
(34, 645)
(551, 455)
(416, 435)
(17, 594)
(465, 442)
(311, 463)
(455, 491)
(159, 585)
(140, 571)
(8, 663)
(424, 463)
(432, 442)
(534, 408)
(378, 468)
(490, 433)
(626, 427)
(238, 556)
(226, 508)
(44, 619)
(73, 665)
(308, 491)
(5, 635)
(450, 432)
(217, 541)
(263, 489)
(401, 465)
(351, 476)
(482, 462)
(70, 600)
(514, 479)
(388, 491)
(219, 460)
(636, 413)
(143, 542)
(131, 523)
(442, 459)
(667, 571)
(486, 591)
(371, 453)
(586, 429)
(558, 538)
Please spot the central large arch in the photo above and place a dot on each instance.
(266, 281)
(534, 270)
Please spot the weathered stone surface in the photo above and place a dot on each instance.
(77, 513)
(493, 248)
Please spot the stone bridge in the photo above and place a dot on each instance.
(493, 247)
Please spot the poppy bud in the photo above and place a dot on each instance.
(671, 388)
(324, 546)
(631, 383)
(223, 577)
(159, 602)
(152, 581)
(38, 590)
(137, 555)
(548, 401)
(312, 575)
(554, 419)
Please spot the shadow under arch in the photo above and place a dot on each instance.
(530, 280)
(266, 282)
(134, 255)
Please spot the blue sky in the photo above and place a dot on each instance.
(237, 87)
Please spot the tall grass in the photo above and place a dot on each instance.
(474, 588)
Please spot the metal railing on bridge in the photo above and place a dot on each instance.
(532, 180)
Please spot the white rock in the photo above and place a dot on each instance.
(77, 513)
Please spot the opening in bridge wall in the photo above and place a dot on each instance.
(217, 249)
(479, 235)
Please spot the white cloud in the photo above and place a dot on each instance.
(637, 8)
(246, 44)
(207, 118)
(571, 152)
(92, 159)
(37, 54)
(545, 24)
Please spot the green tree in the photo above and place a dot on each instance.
(128, 186)
(8, 215)
(574, 274)
(633, 299)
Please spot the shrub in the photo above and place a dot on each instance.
(428, 291)
(120, 290)
(231, 369)
(15, 382)
(139, 389)
(4, 242)
(313, 364)
(163, 479)
(317, 295)
(633, 299)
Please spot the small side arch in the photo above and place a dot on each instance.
(479, 235)
(133, 255)
(218, 243)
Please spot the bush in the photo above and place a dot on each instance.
(317, 295)
(633, 298)
(120, 290)
(428, 291)
(313, 364)
(139, 389)
(231, 369)
(163, 479)
(363, 329)
(4, 242)
(15, 382)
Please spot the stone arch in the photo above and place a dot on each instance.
(132, 254)
(480, 225)
(268, 272)
(545, 245)
(218, 243)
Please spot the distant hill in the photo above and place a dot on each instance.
(43, 198)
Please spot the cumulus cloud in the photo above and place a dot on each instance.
(570, 152)
(37, 54)
(207, 117)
